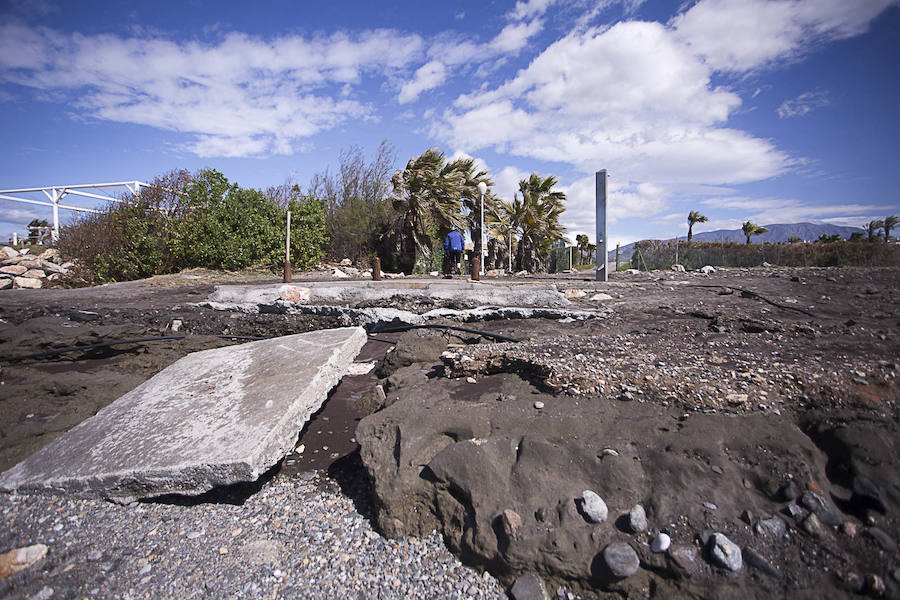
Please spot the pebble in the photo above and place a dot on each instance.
(305, 527)
(710, 506)
(660, 543)
(538, 404)
(637, 519)
(759, 562)
(682, 560)
(816, 504)
(813, 526)
(724, 552)
(884, 540)
(528, 587)
(621, 559)
(849, 528)
(594, 507)
(774, 527)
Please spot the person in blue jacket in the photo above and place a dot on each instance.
(453, 247)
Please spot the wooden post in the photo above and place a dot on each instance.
(287, 250)
(376, 269)
(617, 257)
(476, 268)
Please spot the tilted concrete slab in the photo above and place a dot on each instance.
(213, 418)
(355, 292)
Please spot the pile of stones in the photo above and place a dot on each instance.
(22, 269)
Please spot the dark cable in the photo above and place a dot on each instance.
(487, 334)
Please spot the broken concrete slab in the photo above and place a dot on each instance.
(355, 292)
(369, 317)
(212, 418)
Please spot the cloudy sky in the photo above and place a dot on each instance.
(775, 111)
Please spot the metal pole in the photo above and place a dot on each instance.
(510, 252)
(602, 251)
(54, 198)
(617, 257)
(481, 230)
(287, 250)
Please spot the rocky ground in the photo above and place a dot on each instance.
(752, 415)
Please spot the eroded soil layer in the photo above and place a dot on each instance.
(716, 410)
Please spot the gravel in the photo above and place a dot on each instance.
(293, 538)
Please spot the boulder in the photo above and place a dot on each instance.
(5, 283)
(27, 282)
(706, 270)
(7, 252)
(13, 269)
(295, 293)
(34, 273)
(49, 254)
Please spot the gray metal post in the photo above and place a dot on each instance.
(602, 251)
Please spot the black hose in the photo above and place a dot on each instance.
(487, 334)
(116, 342)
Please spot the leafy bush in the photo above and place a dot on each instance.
(184, 222)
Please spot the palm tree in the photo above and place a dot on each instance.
(583, 244)
(889, 223)
(500, 227)
(694, 217)
(536, 217)
(464, 170)
(872, 227)
(753, 229)
(426, 200)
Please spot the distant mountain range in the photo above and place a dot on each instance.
(778, 232)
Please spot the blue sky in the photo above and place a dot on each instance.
(774, 111)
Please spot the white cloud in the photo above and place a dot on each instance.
(803, 104)
(428, 76)
(630, 98)
(18, 216)
(526, 9)
(790, 210)
(741, 35)
(515, 36)
(238, 97)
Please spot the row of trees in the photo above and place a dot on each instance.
(362, 210)
(403, 218)
(749, 228)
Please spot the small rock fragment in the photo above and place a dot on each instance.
(600, 297)
(575, 294)
(758, 561)
(594, 507)
(868, 495)
(470, 380)
(884, 540)
(538, 404)
(849, 528)
(682, 560)
(875, 585)
(788, 492)
(816, 504)
(511, 521)
(724, 552)
(637, 519)
(621, 559)
(529, 587)
(21, 558)
(660, 543)
(774, 527)
(813, 526)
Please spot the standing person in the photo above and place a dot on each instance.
(453, 247)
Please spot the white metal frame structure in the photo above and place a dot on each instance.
(55, 193)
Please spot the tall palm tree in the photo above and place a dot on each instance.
(500, 227)
(426, 200)
(583, 243)
(889, 223)
(536, 217)
(753, 229)
(872, 227)
(694, 217)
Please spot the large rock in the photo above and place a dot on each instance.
(27, 282)
(21, 558)
(13, 269)
(212, 418)
(7, 252)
